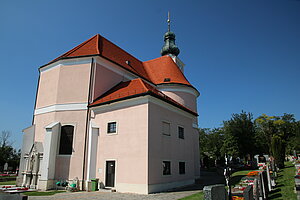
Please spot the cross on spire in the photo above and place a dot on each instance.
(169, 21)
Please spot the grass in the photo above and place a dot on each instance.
(13, 182)
(197, 196)
(47, 193)
(285, 183)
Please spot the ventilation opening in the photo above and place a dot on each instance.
(167, 80)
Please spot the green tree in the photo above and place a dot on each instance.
(211, 142)
(293, 143)
(239, 135)
(277, 131)
(7, 153)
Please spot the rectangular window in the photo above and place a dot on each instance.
(66, 140)
(112, 127)
(166, 128)
(181, 167)
(180, 132)
(166, 168)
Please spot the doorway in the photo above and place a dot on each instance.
(110, 174)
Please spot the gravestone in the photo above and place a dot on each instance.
(255, 189)
(269, 178)
(5, 167)
(260, 186)
(214, 192)
(248, 193)
(265, 180)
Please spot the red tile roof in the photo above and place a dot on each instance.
(134, 88)
(98, 45)
(155, 70)
(163, 68)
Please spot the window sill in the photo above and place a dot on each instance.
(64, 155)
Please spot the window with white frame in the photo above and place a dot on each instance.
(166, 128)
(112, 127)
(66, 140)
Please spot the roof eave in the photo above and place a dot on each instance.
(182, 84)
(144, 94)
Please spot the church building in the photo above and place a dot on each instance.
(100, 113)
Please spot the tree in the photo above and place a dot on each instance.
(239, 135)
(211, 142)
(7, 153)
(293, 143)
(277, 131)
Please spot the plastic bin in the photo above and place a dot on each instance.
(94, 184)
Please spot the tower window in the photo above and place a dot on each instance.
(112, 127)
(66, 140)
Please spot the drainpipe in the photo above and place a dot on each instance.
(87, 122)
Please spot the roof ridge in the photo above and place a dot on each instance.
(143, 84)
(75, 48)
(156, 59)
(98, 36)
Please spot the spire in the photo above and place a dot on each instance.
(169, 38)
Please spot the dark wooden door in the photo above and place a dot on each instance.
(110, 174)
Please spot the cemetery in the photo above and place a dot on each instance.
(260, 184)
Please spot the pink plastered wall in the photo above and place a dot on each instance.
(105, 79)
(129, 147)
(183, 98)
(170, 148)
(63, 84)
(64, 167)
(73, 85)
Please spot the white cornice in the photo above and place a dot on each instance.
(99, 60)
(178, 88)
(120, 104)
(61, 107)
(73, 61)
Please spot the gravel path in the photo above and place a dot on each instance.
(207, 178)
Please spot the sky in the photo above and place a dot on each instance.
(239, 54)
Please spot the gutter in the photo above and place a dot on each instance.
(87, 123)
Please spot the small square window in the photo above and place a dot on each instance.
(166, 168)
(166, 128)
(180, 132)
(181, 167)
(112, 127)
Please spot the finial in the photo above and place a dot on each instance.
(169, 38)
(169, 21)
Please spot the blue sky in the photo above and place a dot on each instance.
(240, 55)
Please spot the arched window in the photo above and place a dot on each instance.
(66, 140)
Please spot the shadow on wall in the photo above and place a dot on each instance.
(62, 167)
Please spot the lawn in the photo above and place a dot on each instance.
(47, 193)
(13, 182)
(285, 183)
(197, 196)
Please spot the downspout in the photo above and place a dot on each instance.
(36, 95)
(87, 122)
